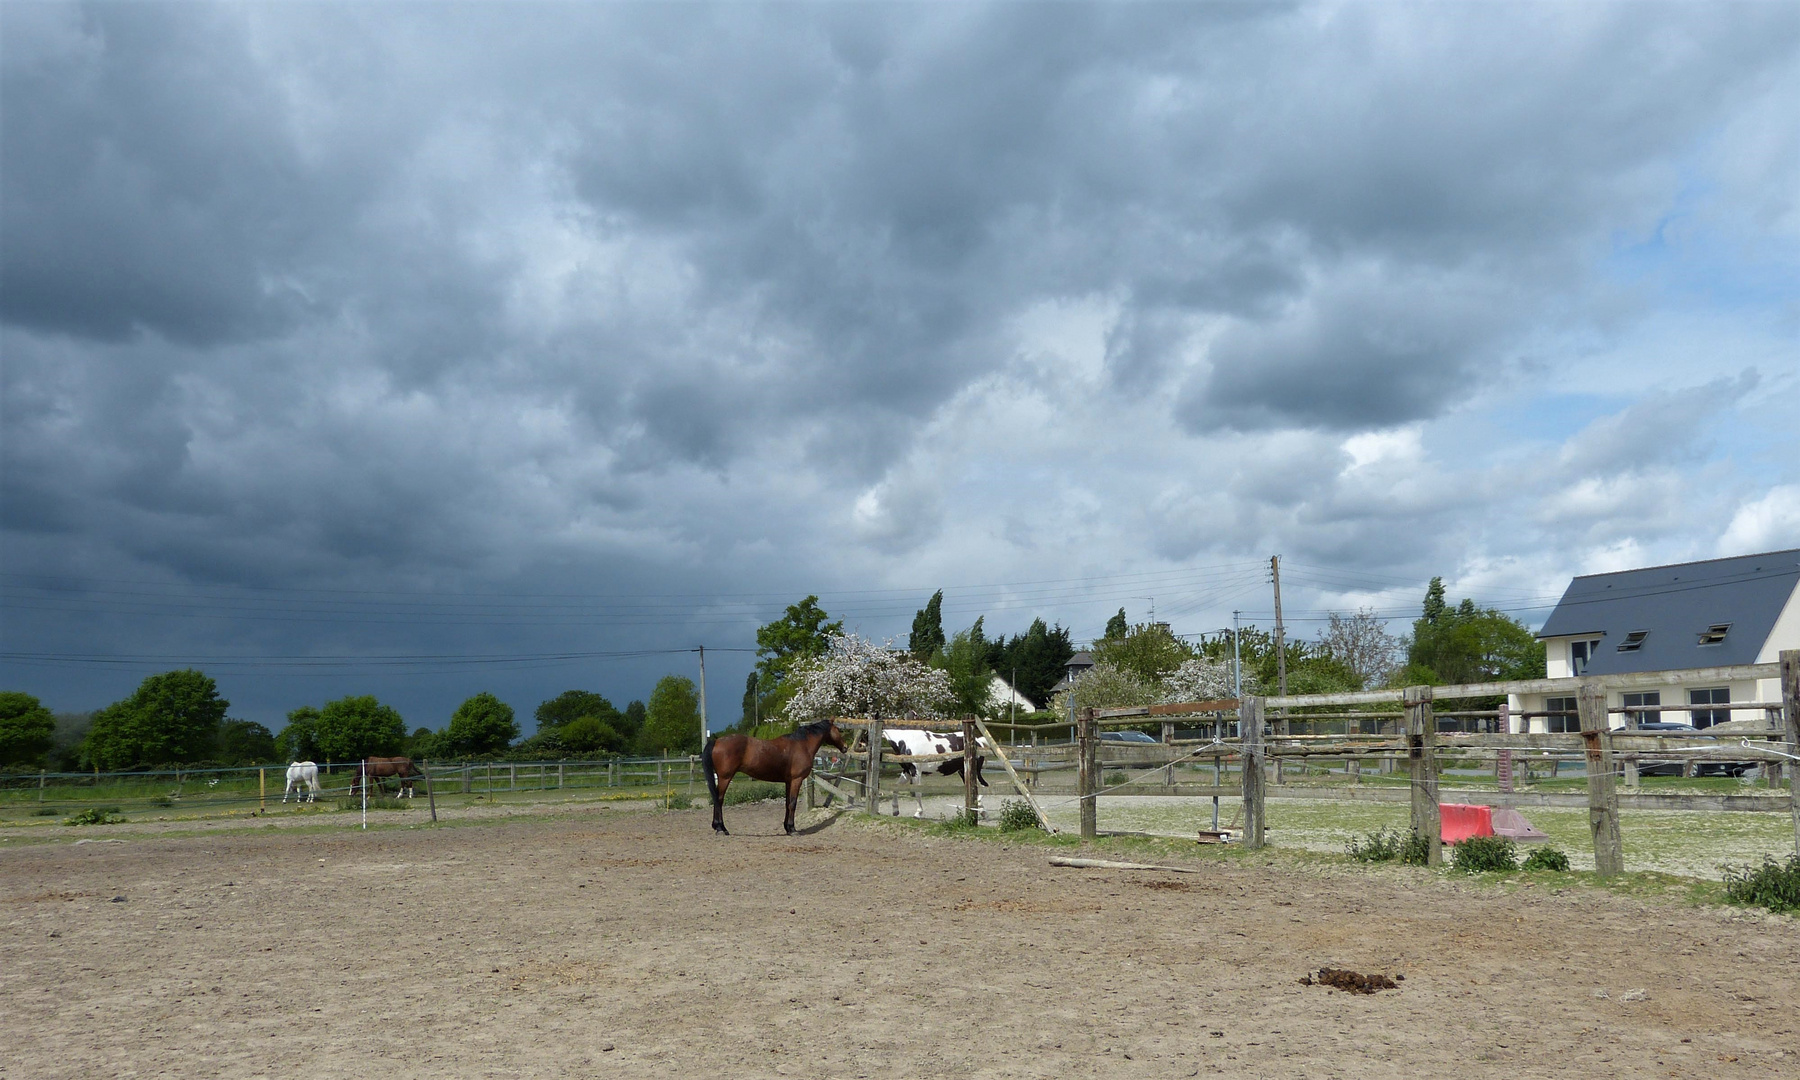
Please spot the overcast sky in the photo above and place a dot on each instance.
(339, 336)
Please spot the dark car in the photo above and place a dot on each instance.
(1663, 767)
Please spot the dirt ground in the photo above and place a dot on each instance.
(631, 942)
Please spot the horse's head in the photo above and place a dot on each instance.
(834, 735)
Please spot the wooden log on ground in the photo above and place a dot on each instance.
(1108, 864)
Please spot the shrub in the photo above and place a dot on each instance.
(964, 820)
(1016, 815)
(1774, 885)
(1416, 849)
(1381, 846)
(748, 791)
(1485, 855)
(95, 815)
(1114, 778)
(679, 800)
(1547, 858)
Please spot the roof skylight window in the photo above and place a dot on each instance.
(1633, 641)
(1715, 634)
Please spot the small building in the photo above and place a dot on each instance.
(1079, 664)
(1003, 698)
(1689, 617)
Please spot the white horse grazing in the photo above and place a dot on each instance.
(302, 772)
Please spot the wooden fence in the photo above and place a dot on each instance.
(1262, 740)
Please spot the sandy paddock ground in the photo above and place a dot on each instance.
(621, 942)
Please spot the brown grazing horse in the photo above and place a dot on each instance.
(378, 769)
(786, 760)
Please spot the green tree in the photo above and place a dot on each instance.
(1116, 627)
(1147, 650)
(27, 729)
(928, 628)
(353, 728)
(1467, 644)
(1039, 657)
(801, 634)
(70, 741)
(424, 744)
(633, 726)
(572, 705)
(481, 725)
(245, 742)
(965, 661)
(672, 718)
(171, 718)
(299, 741)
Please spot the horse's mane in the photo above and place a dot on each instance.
(817, 727)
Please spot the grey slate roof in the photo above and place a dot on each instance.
(1676, 604)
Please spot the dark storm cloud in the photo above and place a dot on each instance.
(616, 297)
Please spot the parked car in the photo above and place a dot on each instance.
(1663, 767)
(1127, 736)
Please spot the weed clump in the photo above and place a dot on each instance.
(1017, 814)
(1774, 885)
(1380, 846)
(964, 820)
(1485, 855)
(1387, 845)
(1546, 858)
(678, 800)
(95, 815)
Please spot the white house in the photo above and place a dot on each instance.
(1686, 617)
(1003, 698)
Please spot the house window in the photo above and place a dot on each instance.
(1715, 634)
(1562, 718)
(1633, 641)
(1580, 652)
(1705, 718)
(1631, 701)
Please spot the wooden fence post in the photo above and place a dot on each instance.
(1421, 749)
(1168, 738)
(1503, 761)
(468, 778)
(872, 772)
(430, 795)
(1087, 773)
(1250, 739)
(262, 788)
(1353, 766)
(1790, 706)
(1603, 791)
(971, 797)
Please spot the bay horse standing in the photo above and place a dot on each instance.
(785, 760)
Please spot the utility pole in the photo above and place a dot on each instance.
(703, 729)
(1280, 632)
(1237, 663)
(1281, 723)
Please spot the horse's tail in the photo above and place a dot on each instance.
(712, 777)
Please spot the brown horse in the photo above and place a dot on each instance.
(786, 760)
(378, 769)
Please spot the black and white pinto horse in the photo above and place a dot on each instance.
(911, 742)
(302, 782)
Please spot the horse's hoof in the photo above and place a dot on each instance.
(721, 830)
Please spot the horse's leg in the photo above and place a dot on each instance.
(719, 802)
(793, 798)
(919, 793)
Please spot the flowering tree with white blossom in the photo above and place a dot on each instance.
(857, 677)
(1200, 679)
